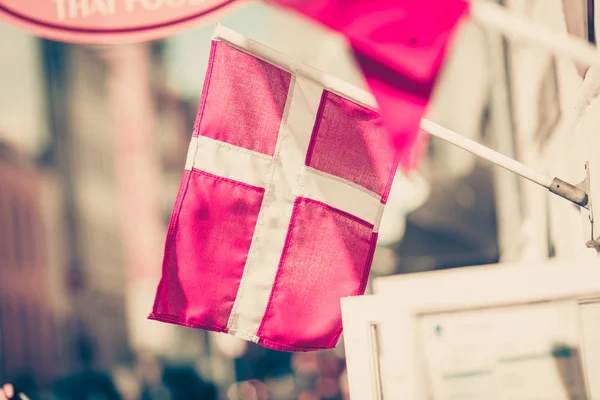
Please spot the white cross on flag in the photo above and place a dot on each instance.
(276, 219)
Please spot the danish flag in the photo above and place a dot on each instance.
(286, 178)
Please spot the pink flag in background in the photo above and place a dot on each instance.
(400, 46)
(279, 207)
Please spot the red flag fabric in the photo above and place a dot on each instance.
(400, 46)
(280, 203)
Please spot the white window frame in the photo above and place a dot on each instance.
(400, 299)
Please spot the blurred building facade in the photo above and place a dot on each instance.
(97, 251)
(26, 303)
(31, 241)
(106, 149)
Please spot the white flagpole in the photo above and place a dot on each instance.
(517, 27)
(554, 185)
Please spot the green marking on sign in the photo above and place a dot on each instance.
(468, 374)
(560, 352)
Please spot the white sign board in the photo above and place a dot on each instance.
(508, 331)
(518, 352)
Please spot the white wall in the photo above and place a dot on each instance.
(22, 113)
(562, 155)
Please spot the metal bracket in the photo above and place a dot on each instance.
(573, 193)
(593, 242)
(585, 186)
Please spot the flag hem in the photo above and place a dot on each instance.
(287, 63)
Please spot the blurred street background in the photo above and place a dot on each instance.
(92, 149)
